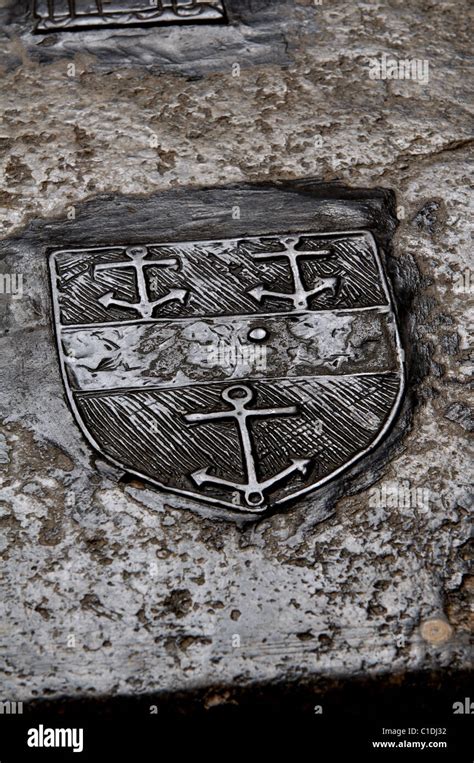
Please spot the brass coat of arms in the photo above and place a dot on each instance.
(243, 372)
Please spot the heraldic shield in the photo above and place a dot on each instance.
(242, 372)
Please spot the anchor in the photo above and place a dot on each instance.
(137, 261)
(238, 396)
(300, 296)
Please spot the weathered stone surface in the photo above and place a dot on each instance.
(109, 588)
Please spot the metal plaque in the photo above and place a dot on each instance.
(244, 372)
(55, 15)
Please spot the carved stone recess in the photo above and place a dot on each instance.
(190, 37)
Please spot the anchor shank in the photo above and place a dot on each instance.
(299, 290)
(141, 283)
(247, 451)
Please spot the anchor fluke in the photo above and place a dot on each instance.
(200, 476)
(178, 294)
(301, 464)
(327, 284)
(257, 293)
(106, 299)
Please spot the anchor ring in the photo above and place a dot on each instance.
(254, 497)
(231, 395)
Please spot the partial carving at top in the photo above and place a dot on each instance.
(56, 15)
